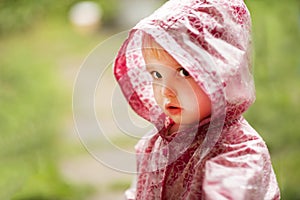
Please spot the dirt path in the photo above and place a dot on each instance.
(86, 170)
(83, 168)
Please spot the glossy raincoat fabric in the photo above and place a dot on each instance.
(222, 157)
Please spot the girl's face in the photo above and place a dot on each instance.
(176, 92)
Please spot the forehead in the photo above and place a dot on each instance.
(159, 58)
(154, 54)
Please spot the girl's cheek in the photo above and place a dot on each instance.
(157, 94)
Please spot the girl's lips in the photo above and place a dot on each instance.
(173, 109)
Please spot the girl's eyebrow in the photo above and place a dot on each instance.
(151, 67)
(155, 65)
(179, 68)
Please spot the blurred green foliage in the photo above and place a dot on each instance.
(276, 37)
(19, 15)
(29, 110)
(34, 103)
(27, 118)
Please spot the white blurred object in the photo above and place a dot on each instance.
(86, 16)
(132, 11)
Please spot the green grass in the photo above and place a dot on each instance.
(121, 186)
(34, 101)
(276, 112)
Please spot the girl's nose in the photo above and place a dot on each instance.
(167, 91)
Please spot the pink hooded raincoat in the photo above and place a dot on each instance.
(223, 157)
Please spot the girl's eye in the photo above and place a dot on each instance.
(156, 75)
(183, 72)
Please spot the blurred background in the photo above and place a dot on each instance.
(42, 46)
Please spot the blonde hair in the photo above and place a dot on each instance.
(151, 49)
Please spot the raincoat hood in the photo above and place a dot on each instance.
(210, 39)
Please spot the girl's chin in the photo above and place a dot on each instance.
(181, 126)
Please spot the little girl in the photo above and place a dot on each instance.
(186, 69)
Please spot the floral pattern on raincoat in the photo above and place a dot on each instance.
(223, 157)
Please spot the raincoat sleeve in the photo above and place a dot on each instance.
(130, 194)
(243, 171)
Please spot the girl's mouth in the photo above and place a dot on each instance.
(173, 109)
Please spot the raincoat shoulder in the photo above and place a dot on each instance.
(241, 167)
